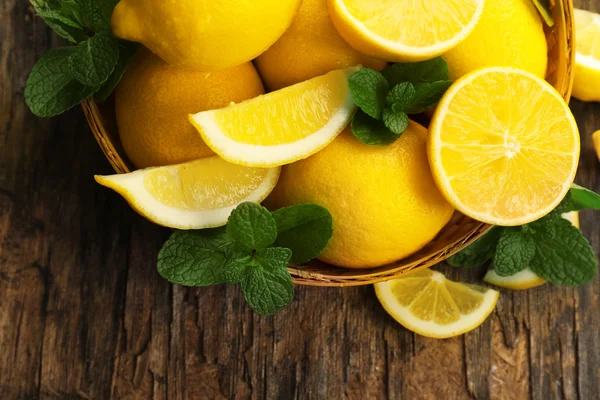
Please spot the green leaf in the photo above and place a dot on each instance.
(97, 13)
(51, 90)
(252, 226)
(514, 252)
(395, 121)
(65, 26)
(478, 253)
(420, 72)
(237, 270)
(127, 51)
(370, 131)
(93, 61)
(564, 257)
(197, 258)
(427, 95)
(305, 229)
(369, 90)
(583, 198)
(269, 288)
(403, 93)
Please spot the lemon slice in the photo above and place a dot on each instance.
(405, 30)
(283, 126)
(195, 195)
(503, 146)
(586, 86)
(525, 279)
(431, 305)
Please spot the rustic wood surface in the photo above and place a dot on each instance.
(84, 315)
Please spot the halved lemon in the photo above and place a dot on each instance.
(431, 305)
(283, 126)
(525, 279)
(405, 30)
(503, 146)
(586, 86)
(195, 195)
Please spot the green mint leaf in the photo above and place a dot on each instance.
(94, 60)
(252, 226)
(66, 19)
(514, 252)
(564, 257)
(51, 90)
(478, 253)
(426, 96)
(420, 72)
(126, 53)
(582, 198)
(197, 258)
(65, 26)
(369, 90)
(268, 288)
(370, 131)
(401, 94)
(237, 270)
(395, 121)
(305, 229)
(97, 13)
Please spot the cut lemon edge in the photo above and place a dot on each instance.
(587, 66)
(272, 155)
(181, 208)
(363, 39)
(429, 328)
(526, 279)
(435, 145)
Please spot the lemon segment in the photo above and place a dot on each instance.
(283, 126)
(195, 195)
(503, 146)
(405, 30)
(586, 86)
(427, 303)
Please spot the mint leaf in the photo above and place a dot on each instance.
(126, 54)
(93, 61)
(395, 121)
(369, 90)
(252, 226)
(564, 257)
(583, 198)
(197, 258)
(97, 13)
(370, 131)
(237, 270)
(514, 252)
(426, 96)
(420, 72)
(479, 252)
(64, 26)
(403, 93)
(51, 90)
(305, 229)
(268, 288)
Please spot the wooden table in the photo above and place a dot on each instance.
(84, 315)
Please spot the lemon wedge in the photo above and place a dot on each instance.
(195, 195)
(427, 303)
(283, 126)
(586, 86)
(526, 279)
(405, 30)
(503, 146)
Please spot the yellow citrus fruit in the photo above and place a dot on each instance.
(154, 99)
(428, 303)
(311, 47)
(384, 203)
(503, 146)
(526, 279)
(205, 35)
(283, 126)
(405, 30)
(596, 141)
(195, 195)
(510, 33)
(586, 86)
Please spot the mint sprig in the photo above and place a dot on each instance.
(385, 99)
(253, 250)
(66, 76)
(551, 246)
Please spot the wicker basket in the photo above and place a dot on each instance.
(460, 232)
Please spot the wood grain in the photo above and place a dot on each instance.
(84, 315)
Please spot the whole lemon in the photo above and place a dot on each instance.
(311, 47)
(153, 100)
(383, 200)
(205, 35)
(510, 33)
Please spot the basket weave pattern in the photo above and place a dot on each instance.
(460, 231)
